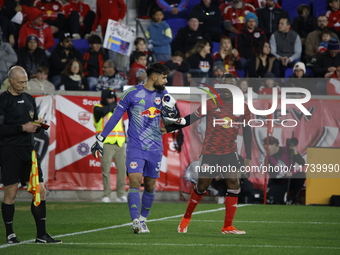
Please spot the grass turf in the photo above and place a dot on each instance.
(97, 228)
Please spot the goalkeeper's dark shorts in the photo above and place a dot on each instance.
(16, 164)
(224, 166)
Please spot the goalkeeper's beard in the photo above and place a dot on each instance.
(158, 86)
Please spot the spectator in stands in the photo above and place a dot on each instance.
(73, 78)
(179, 69)
(7, 59)
(234, 17)
(111, 78)
(52, 14)
(258, 4)
(269, 84)
(218, 70)
(297, 79)
(263, 62)
(286, 45)
(79, 18)
(304, 23)
(159, 36)
(143, 8)
(7, 29)
(188, 36)
(61, 55)
(270, 16)
(113, 9)
(313, 40)
(15, 8)
(248, 39)
(200, 61)
(326, 63)
(31, 57)
(228, 56)
(210, 18)
(332, 8)
(94, 60)
(141, 76)
(333, 85)
(41, 82)
(334, 18)
(326, 36)
(140, 45)
(174, 8)
(36, 26)
(140, 63)
(243, 84)
(278, 183)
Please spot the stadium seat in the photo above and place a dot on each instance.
(215, 47)
(241, 73)
(291, 6)
(81, 44)
(289, 72)
(319, 8)
(176, 24)
(191, 4)
(56, 41)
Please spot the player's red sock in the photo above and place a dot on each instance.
(230, 209)
(195, 198)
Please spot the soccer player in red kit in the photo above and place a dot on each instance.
(219, 149)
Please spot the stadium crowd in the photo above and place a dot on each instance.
(195, 39)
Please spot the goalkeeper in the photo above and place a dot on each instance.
(219, 149)
(144, 146)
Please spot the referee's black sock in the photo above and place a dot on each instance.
(7, 215)
(39, 214)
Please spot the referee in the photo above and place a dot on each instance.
(17, 113)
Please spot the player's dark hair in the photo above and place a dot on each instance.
(157, 68)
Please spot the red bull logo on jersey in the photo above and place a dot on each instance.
(151, 112)
(158, 100)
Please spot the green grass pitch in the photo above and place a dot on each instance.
(97, 228)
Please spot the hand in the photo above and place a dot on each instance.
(30, 127)
(331, 69)
(235, 53)
(97, 148)
(120, 21)
(178, 121)
(163, 130)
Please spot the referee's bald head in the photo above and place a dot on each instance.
(15, 70)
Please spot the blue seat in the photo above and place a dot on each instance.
(56, 41)
(81, 44)
(176, 24)
(319, 8)
(191, 4)
(241, 73)
(215, 47)
(291, 6)
(289, 72)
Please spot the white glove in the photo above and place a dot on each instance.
(178, 121)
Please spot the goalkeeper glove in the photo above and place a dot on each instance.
(178, 121)
(97, 147)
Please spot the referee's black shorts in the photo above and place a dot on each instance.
(223, 166)
(15, 165)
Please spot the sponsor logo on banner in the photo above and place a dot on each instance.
(133, 165)
(84, 117)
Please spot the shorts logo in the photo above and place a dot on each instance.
(157, 100)
(133, 165)
(31, 113)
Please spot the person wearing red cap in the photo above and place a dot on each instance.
(36, 26)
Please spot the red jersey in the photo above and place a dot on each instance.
(227, 66)
(237, 16)
(50, 10)
(263, 90)
(80, 7)
(334, 20)
(221, 128)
